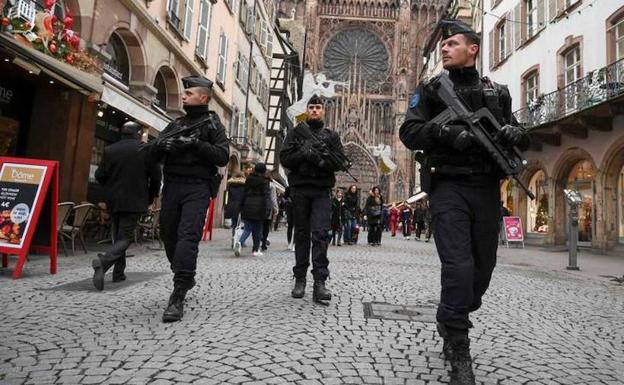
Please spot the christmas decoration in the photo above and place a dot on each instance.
(5, 21)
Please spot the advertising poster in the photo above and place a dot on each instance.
(20, 185)
(513, 229)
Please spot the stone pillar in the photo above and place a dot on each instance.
(550, 188)
(600, 238)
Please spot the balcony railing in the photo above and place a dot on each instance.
(595, 88)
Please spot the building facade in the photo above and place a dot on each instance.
(563, 61)
(375, 50)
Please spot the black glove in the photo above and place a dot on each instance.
(185, 142)
(457, 136)
(310, 154)
(509, 135)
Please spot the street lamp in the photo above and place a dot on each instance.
(573, 198)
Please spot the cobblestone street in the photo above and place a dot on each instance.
(242, 327)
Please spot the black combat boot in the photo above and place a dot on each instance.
(320, 293)
(461, 362)
(118, 272)
(175, 308)
(446, 346)
(299, 290)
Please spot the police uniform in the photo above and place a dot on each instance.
(463, 183)
(190, 180)
(311, 180)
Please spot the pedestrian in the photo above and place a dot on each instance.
(394, 219)
(385, 218)
(280, 210)
(191, 179)
(337, 217)
(352, 213)
(406, 219)
(132, 182)
(235, 191)
(271, 212)
(311, 178)
(256, 206)
(428, 220)
(463, 185)
(419, 220)
(373, 207)
(290, 219)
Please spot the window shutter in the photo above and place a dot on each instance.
(509, 31)
(250, 21)
(269, 50)
(222, 63)
(188, 18)
(263, 34)
(541, 14)
(552, 9)
(492, 48)
(203, 29)
(517, 28)
(243, 13)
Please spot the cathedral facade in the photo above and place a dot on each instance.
(374, 47)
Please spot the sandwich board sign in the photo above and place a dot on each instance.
(513, 230)
(28, 210)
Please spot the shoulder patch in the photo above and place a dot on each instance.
(413, 102)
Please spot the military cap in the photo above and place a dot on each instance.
(452, 27)
(196, 81)
(315, 99)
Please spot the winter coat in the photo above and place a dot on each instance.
(236, 192)
(394, 215)
(352, 206)
(337, 217)
(255, 197)
(372, 207)
(131, 181)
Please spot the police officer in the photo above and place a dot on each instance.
(311, 179)
(131, 183)
(463, 183)
(190, 180)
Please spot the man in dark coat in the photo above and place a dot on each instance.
(464, 188)
(311, 179)
(191, 163)
(131, 183)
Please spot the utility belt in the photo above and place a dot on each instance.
(448, 170)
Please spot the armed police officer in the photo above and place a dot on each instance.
(190, 180)
(311, 179)
(463, 183)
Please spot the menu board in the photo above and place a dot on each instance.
(20, 185)
(513, 229)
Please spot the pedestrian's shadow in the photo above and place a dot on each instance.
(133, 278)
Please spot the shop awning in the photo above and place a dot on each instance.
(115, 97)
(60, 71)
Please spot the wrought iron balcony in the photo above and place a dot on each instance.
(597, 87)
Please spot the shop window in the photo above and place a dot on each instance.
(581, 179)
(537, 209)
(160, 99)
(118, 67)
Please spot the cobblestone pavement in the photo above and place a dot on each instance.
(242, 327)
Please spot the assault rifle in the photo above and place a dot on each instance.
(190, 131)
(335, 157)
(484, 126)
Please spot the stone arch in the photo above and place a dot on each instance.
(610, 220)
(364, 168)
(561, 171)
(135, 50)
(172, 85)
(233, 165)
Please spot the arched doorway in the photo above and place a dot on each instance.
(506, 195)
(612, 205)
(620, 203)
(167, 90)
(537, 209)
(581, 179)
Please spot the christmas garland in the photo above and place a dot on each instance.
(53, 37)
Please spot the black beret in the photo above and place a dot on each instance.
(452, 27)
(315, 99)
(196, 81)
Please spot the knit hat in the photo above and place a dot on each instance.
(260, 168)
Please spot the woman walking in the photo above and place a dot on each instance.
(352, 213)
(373, 207)
(337, 217)
(255, 207)
(394, 219)
(235, 191)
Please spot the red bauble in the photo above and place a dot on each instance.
(74, 41)
(52, 48)
(54, 19)
(70, 59)
(6, 21)
(68, 21)
(49, 3)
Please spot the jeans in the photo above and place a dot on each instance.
(349, 229)
(253, 227)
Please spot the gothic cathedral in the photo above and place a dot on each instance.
(375, 48)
